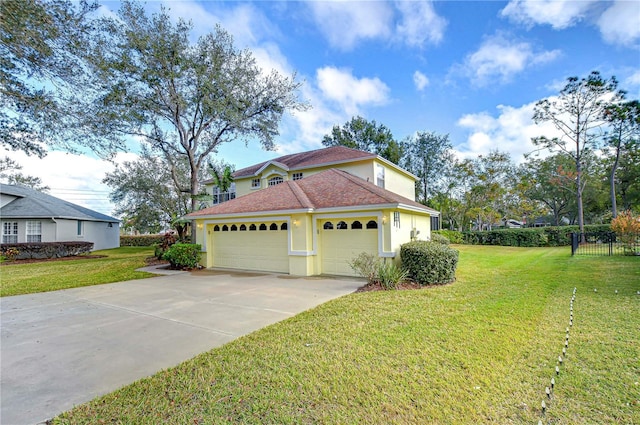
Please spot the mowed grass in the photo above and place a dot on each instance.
(118, 265)
(479, 351)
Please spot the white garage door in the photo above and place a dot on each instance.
(342, 240)
(251, 246)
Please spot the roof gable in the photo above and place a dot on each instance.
(332, 188)
(325, 156)
(30, 203)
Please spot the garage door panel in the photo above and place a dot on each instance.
(340, 246)
(251, 250)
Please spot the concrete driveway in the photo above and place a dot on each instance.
(63, 348)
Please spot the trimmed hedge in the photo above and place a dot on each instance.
(530, 236)
(429, 263)
(140, 240)
(39, 250)
(183, 255)
(453, 235)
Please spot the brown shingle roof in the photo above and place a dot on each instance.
(333, 188)
(331, 155)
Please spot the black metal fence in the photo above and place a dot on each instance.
(604, 243)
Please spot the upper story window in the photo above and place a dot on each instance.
(220, 196)
(10, 232)
(297, 176)
(34, 231)
(275, 180)
(255, 184)
(380, 175)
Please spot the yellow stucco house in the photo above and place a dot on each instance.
(311, 213)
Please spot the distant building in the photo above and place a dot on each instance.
(31, 216)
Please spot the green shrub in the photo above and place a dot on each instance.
(183, 255)
(140, 240)
(440, 239)
(161, 248)
(429, 263)
(390, 275)
(366, 265)
(453, 235)
(530, 236)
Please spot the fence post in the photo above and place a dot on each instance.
(574, 243)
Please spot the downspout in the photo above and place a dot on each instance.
(56, 234)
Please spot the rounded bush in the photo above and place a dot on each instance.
(183, 255)
(437, 238)
(429, 263)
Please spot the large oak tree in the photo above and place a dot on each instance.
(183, 99)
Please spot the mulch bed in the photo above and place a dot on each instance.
(149, 261)
(47, 260)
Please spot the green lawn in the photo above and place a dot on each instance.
(118, 265)
(481, 350)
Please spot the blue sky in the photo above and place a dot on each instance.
(470, 69)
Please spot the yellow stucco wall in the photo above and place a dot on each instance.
(302, 246)
(395, 181)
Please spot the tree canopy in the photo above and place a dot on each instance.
(41, 69)
(358, 133)
(578, 114)
(184, 100)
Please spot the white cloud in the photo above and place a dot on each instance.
(500, 58)
(420, 23)
(559, 14)
(340, 86)
(618, 21)
(345, 23)
(420, 80)
(511, 131)
(74, 178)
(633, 79)
(620, 24)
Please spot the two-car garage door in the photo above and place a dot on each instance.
(251, 246)
(264, 246)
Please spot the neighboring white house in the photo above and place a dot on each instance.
(31, 216)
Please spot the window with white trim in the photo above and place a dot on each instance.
(380, 175)
(34, 231)
(255, 184)
(275, 180)
(297, 176)
(10, 232)
(80, 228)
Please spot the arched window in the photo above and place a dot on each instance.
(225, 228)
(243, 227)
(252, 227)
(372, 224)
(356, 225)
(273, 226)
(328, 225)
(216, 228)
(275, 180)
(342, 225)
(283, 226)
(263, 226)
(234, 228)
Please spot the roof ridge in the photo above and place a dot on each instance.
(300, 195)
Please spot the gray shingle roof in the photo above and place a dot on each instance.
(33, 204)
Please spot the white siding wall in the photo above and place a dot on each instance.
(98, 232)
